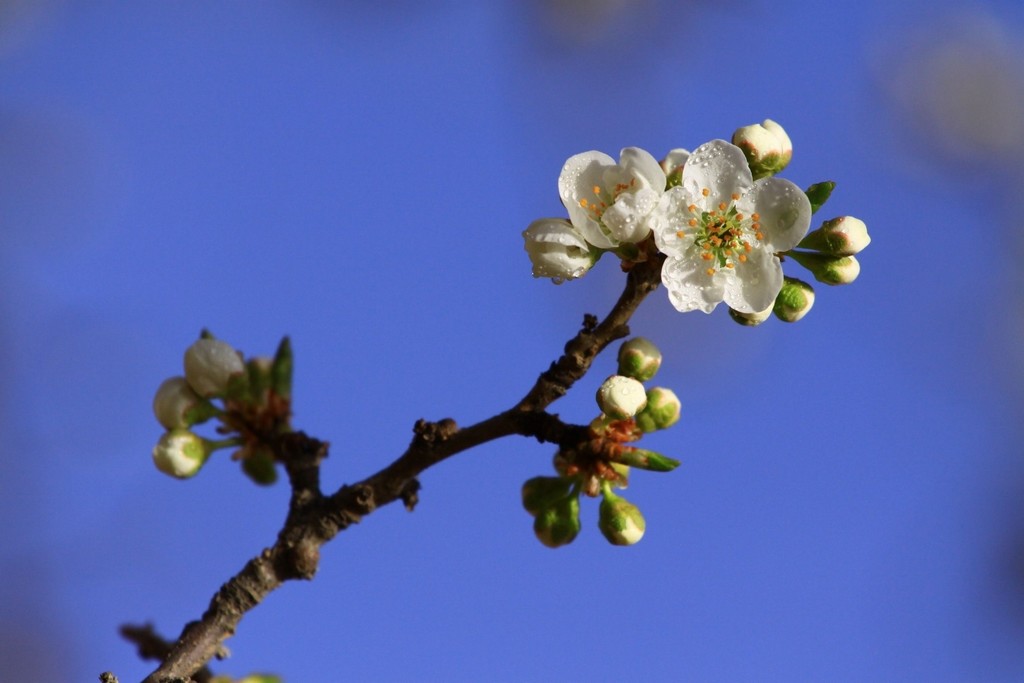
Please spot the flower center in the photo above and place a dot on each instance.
(723, 235)
(604, 198)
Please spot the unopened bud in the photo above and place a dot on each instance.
(662, 410)
(794, 300)
(180, 453)
(177, 406)
(258, 465)
(541, 492)
(843, 236)
(558, 524)
(621, 397)
(831, 270)
(557, 249)
(620, 521)
(750, 319)
(639, 358)
(767, 147)
(211, 365)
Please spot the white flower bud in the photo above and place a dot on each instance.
(558, 250)
(767, 147)
(830, 270)
(661, 412)
(176, 405)
(639, 358)
(621, 397)
(210, 365)
(180, 453)
(794, 300)
(843, 236)
(751, 319)
(620, 521)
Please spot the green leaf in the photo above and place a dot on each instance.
(818, 194)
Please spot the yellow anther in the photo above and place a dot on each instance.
(693, 222)
(755, 216)
(759, 235)
(729, 265)
(739, 216)
(721, 206)
(747, 247)
(680, 234)
(710, 271)
(597, 190)
(584, 203)
(743, 258)
(705, 192)
(735, 196)
(692, 208)
(707, 256)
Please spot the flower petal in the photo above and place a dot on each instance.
(580, 174)
(674, 159)
(720, 168)
(784, 209)
(641, 164)
(668, 219)
(755, 283)
(689, 286)
(626, 219)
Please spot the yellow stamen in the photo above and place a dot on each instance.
(710, 271)
(721, 206)
(693, 222)
(735, 196)
(729, 265)
(755, 216)
(584, 203)
(743, 258)
(707, 256)
(705, 192)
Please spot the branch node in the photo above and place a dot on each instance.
(429, 433)
(410, 494)
(589, 322)
(108, 677)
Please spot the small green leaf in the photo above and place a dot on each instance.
(818, 194)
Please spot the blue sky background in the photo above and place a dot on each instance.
(851, 501)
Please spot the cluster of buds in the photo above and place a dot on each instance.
(603, 461)
(251, 400)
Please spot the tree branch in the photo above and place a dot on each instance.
(313, 518)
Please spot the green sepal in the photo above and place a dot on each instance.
(541, 492)
(645, 460)
(258, 465)
(818, 194)
(281, 371)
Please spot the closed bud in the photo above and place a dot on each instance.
(662, 410)
(258, 465)
(541, 492)
(750, 319)
(558, 524)
(621, 397)
(794, 300)
(831, 270)
(557, 250)
(843, 236)
(211, 365)
(176, 406)
(767, 147)
(639, 358)
(180, 453)
(620, 521)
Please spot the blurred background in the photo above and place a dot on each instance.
(357, 174)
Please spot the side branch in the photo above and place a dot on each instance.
(313, 518)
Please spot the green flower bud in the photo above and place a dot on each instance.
(843, 236)
(211, 365)
(558, 524)
(661, 411)
(750, 319)
(621, 397)
(281, 372)
(645, 459)
(767, 147)
(181, 454)
(620, 521)
(542, 492)
(639, 358)
(794, 301)
(831, 270)
(176, 406)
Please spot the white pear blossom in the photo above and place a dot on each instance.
(720, 232)
(612, 203)
(558, 250)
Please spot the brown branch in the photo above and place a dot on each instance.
(313, 518)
